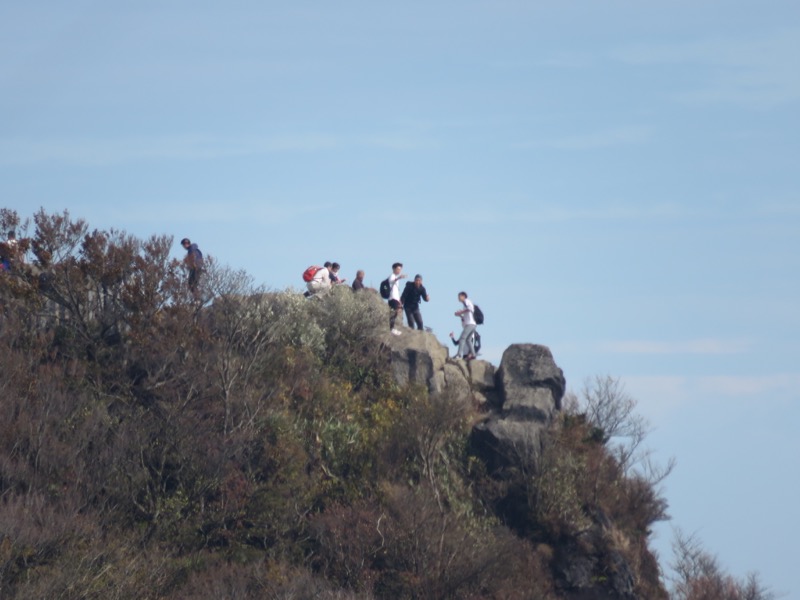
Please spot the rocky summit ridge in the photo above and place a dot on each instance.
(518, 403)
(518, 399)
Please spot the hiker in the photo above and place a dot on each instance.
(11, 252)
(7, 250)
(395, 304)
(194, 263)
(334, 274)
(412, 294)
(320, 282)
(358, 282)
(466, 340)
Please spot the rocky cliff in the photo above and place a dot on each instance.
(519, 403)
(519, 399)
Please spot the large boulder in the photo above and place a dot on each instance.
(522, 395)
(527, 373)
(588, 567)
(504, 442)
(456, 382)
(417, 358)
(481, 374)
(531, 387)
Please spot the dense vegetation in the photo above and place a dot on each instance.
(253, 444)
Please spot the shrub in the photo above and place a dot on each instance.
(249, 443)
(698, 576)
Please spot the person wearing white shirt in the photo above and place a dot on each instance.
(466, 347)
(320, 282)
(395, 304)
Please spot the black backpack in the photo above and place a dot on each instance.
(478, 314)
(385, 289)
(476, 342)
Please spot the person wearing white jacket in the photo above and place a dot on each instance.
(395, 304)
(466, 345)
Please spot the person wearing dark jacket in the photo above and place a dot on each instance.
(193, 262)
(358, 282)
(413, 293)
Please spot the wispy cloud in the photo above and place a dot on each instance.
(698, 346)
(658, 395)
(93, 152)
(100, 152)
(551, 213)
(189, 210)
(500, 212)
(595, 140)
(788, 208)
(661, 395)
(757, 72)
(762, 386)
(559, 60)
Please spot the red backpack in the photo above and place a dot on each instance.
(309, 273)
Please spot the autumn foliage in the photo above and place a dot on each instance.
(247, 443)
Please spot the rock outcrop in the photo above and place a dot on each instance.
(530, 387)
(531, 381)
(418, 358)
(519, 398)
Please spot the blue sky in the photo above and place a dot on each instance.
(616, 180)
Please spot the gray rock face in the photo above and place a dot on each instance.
(456, 382)
(520, 400)
(531, 387)
(578, 562)
(522, 395)
(481, 373)
(526, 370)
(417, 357)
(505, 440)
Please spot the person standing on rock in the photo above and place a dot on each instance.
(395, 304)
(466, 345)
(413, 293)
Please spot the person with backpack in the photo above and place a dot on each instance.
(393, 295)
(466, 342)
(319, 280)
(413, 293)
(194, 264)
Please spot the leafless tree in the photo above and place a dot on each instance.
(612, 412)
(698, 575)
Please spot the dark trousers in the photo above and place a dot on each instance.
(194, 280)
(413, 316)
(396, 310)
